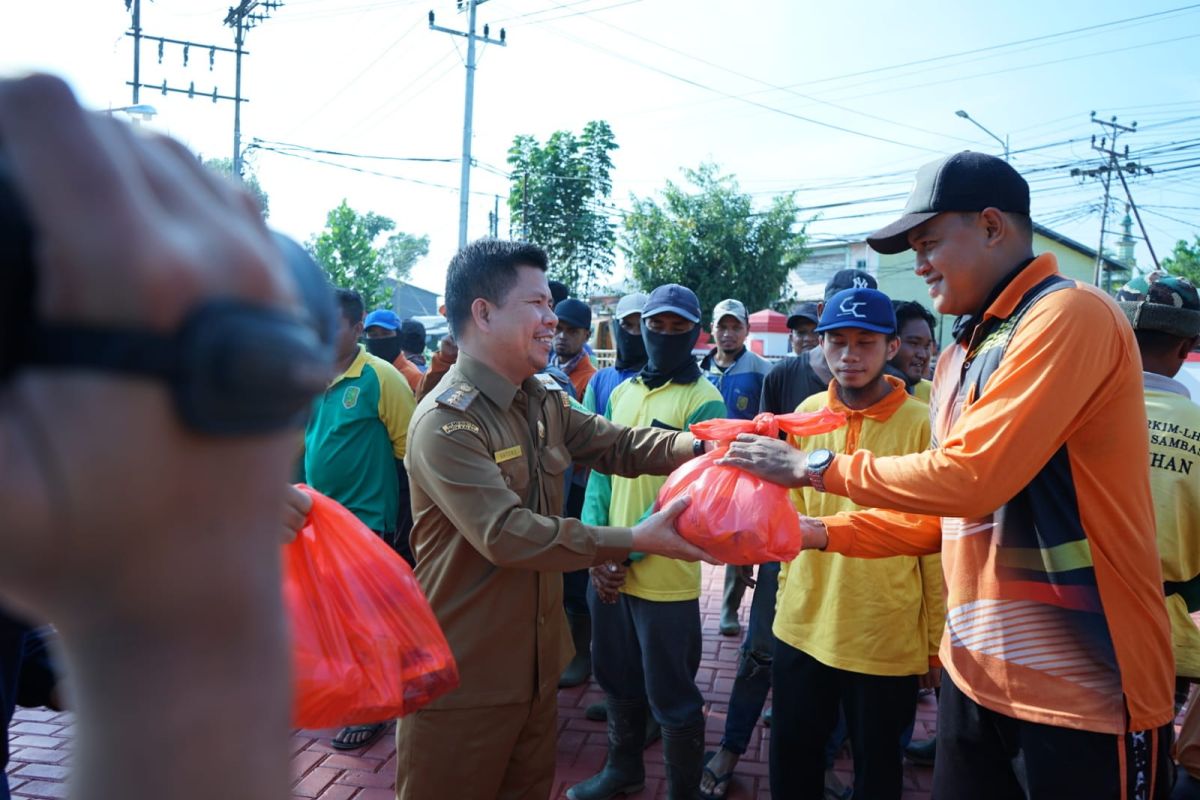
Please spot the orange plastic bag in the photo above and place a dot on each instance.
(736, 516)
(365, 644)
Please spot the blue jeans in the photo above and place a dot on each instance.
(753, 679)
(649, 650)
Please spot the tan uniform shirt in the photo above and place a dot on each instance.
(486, 462)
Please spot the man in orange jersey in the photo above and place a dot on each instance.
(1058, 672)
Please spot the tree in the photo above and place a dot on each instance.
(713, 241)
(1184, 260)
(557, 200)
(346, 250)
(401, 252)
(248, 179)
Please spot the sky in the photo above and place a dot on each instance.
(839, 103)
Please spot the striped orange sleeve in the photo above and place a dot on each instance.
(1049, 381)
(879, 533)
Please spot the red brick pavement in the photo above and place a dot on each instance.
(40, 740)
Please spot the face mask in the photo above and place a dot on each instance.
(670, 357)
(387, 348)
(631, 350)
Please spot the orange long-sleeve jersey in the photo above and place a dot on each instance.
(1039, 477)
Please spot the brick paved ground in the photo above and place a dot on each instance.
(40, 740)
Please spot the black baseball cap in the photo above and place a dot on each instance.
(845, 279)
(965, 181)
(804, 311)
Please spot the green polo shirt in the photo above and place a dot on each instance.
(357, 431)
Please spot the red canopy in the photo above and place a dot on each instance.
(768, 321)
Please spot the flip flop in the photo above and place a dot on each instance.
(719, 781)
(353, 737)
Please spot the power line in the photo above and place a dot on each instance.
(769, 84)
(321, 151)
(739, 98)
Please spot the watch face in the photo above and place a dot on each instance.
(819, 459)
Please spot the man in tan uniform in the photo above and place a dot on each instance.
(486, 458)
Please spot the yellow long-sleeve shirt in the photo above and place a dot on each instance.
(1175, 483)
(875, 616)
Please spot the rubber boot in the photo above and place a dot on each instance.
(623, 773)
(580, 668)
(598, 712)
(735, 587)
(683, 753)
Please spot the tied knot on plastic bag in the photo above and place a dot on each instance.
(735, 516)
(807, 424)
(366, 646)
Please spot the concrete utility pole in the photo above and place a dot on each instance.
(247, 14)
(241, 20)
(1108, 145)
(137, 46)
(468, 111)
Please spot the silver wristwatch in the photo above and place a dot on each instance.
(815, 465)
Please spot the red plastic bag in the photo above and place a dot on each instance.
(736, 516)
(366, 646)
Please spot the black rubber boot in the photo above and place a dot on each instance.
(598, 712)
(580, 668)
(735, 587)
(623, 773)
(683, 753)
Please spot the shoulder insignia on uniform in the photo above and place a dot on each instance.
(566, 401)
(460, 425)
(548, 382)
(458, 396)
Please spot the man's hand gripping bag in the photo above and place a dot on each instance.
(735, 516)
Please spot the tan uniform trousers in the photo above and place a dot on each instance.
(491, 753)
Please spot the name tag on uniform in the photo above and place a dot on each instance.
(508, 454)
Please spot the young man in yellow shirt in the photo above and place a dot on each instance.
(857, 633)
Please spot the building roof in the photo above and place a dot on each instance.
(1066, 241)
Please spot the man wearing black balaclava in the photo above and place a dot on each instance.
(646, 612)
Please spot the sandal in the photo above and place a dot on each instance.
(721, 782)
(353, 737)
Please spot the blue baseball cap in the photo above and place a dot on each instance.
(671, 297)
(869, 309)
(382, 318)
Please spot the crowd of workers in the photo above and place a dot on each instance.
(1015, 529)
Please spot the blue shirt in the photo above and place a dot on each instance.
(740, 384)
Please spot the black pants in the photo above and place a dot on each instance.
(404, 518)
(649, 650)
(984, 755)
(807, 695)
(12, 639)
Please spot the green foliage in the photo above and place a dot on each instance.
(1185, 260)
(557, 200)
(400, 252)
(346, 250)
(249, 180)
(712, 240)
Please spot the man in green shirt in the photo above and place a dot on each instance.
(354, 447)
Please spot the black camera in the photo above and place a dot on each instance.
(232, 368)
